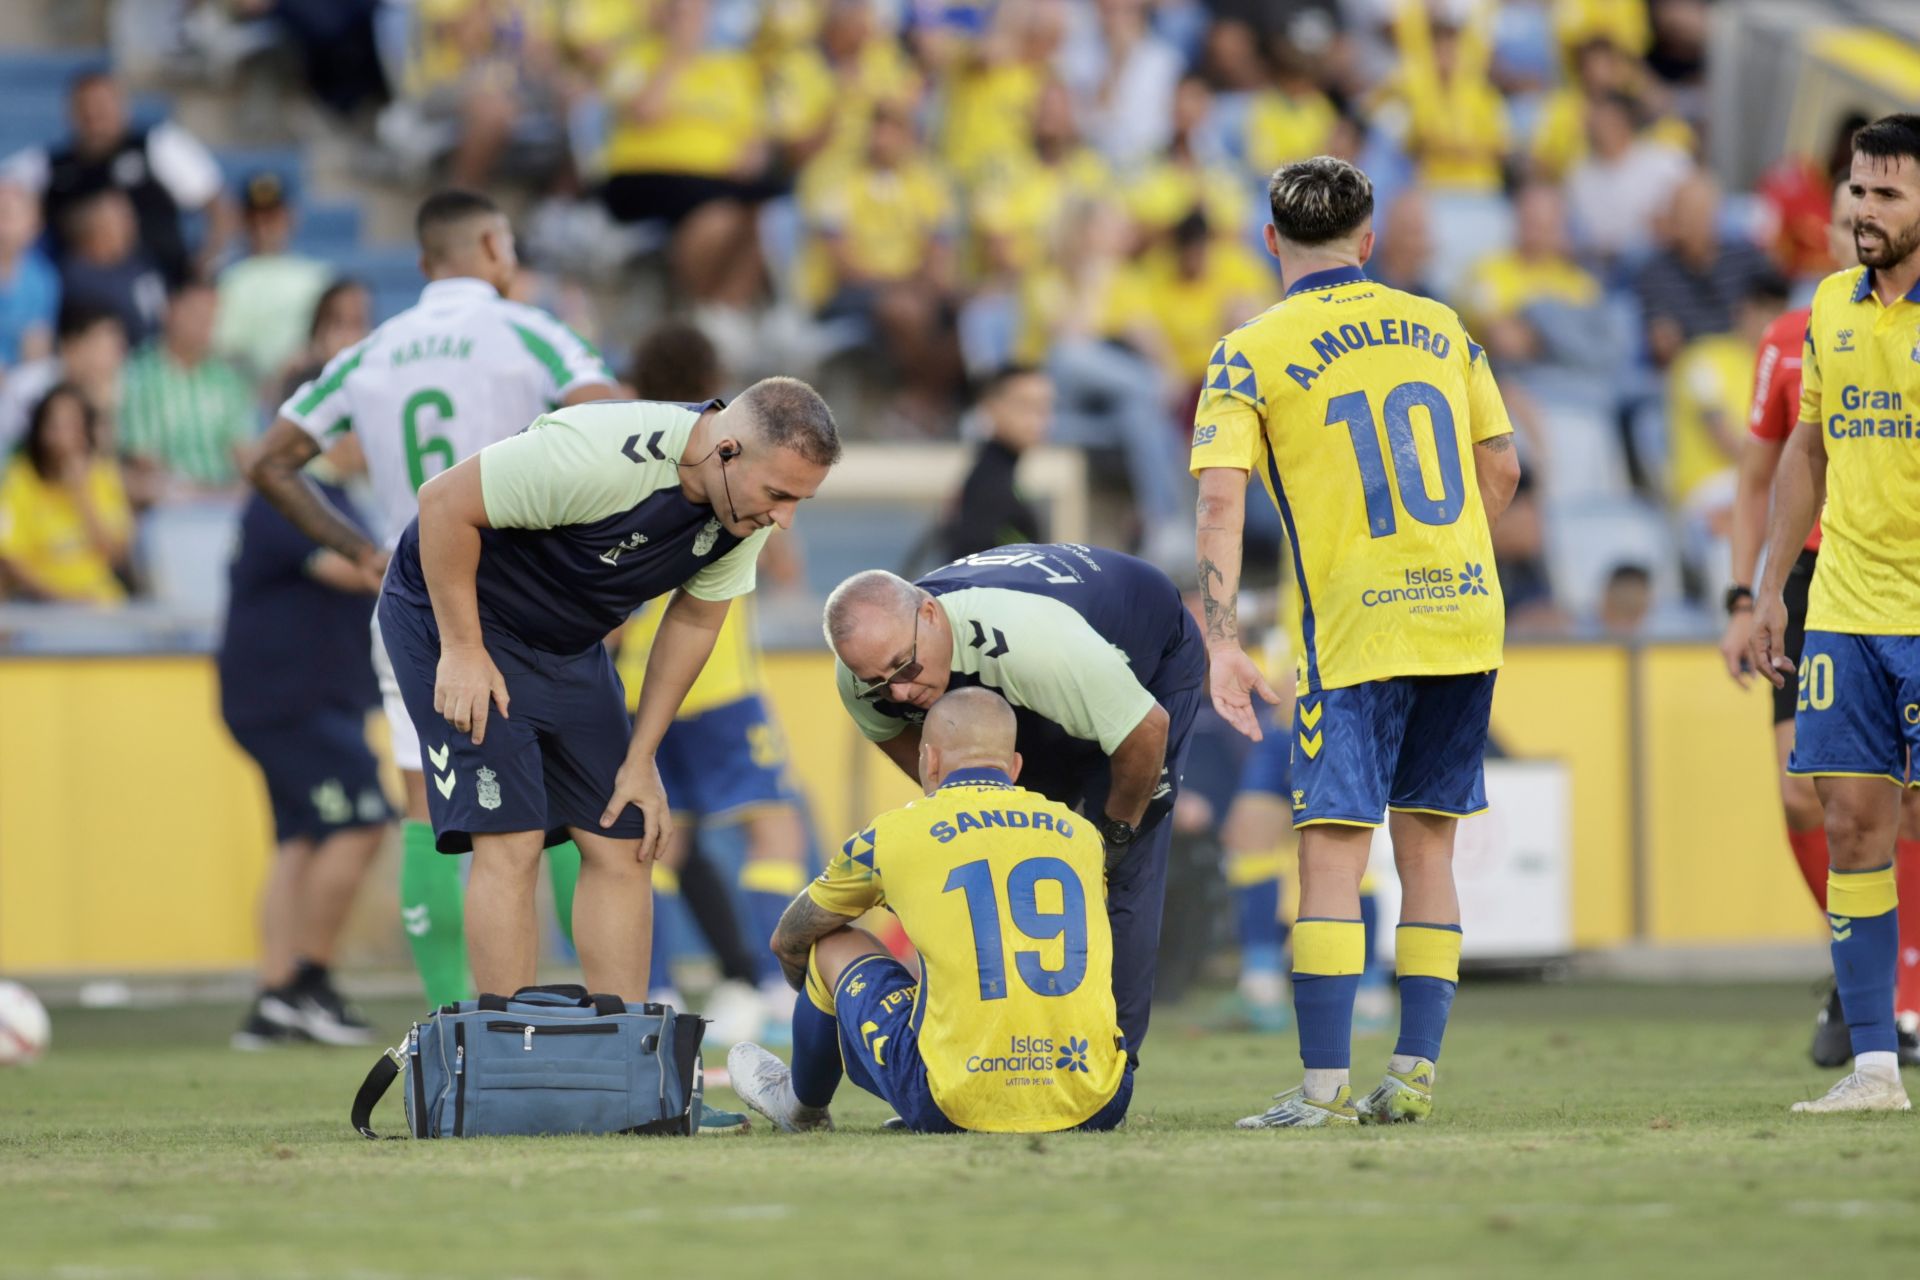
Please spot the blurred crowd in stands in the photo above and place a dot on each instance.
(1005, 223)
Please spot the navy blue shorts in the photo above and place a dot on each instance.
(1415, 743)
(885, 1001)
(724, 761)
(1269, 765)
(1857, 706)
(321, 776)
(547, 767)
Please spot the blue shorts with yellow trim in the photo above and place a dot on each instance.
(1413, 742)
(1858, 710)
(725, 760)
(880, 1046)
(1269, 766)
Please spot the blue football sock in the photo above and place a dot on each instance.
(1428, 959)
(1424, 1005)
(1370, 923)
(1862, 914)
(1326, 976)
(816, 1053)
(666, 889)
(767, 889)
(1256, 909)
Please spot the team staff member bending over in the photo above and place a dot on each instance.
(1010, 1027)
(462, 368)
(524, 558)
(1105, 670)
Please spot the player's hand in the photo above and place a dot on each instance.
(466, 685)
(372, 564)
(638, 783)
(1733, 645)
(1234, 681)
(1766, 648)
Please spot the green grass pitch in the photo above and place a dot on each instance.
(1584, 1130)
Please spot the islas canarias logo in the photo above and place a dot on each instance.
(1037, 1055)
(1430, 583)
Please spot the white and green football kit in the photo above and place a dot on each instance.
(436, 384)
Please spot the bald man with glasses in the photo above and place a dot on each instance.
(1105, 671)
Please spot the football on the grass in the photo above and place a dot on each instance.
(24, 1026)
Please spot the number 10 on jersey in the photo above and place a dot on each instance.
(1354, 410)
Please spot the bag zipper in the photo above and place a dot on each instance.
(419, 1083)
(526, 1029)
(662, 1061)
(459, 1079)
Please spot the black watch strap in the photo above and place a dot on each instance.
(1737, 596)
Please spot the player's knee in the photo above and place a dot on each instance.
(841, 948)
(1413, 858)
(1910, 814)
(1859, 836)
(1801, 803)
(777, 836)
(616, 860)
(514, 856)
(1255, 823)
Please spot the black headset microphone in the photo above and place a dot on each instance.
(728, 451)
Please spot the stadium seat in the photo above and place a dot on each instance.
(27, 120)
(391, 273)
(1586, 540)
(45, 73)
(1466, 228)
(1584, 457)
(327, 229)
(236, 163)
(177, 542)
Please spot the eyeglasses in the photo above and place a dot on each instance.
(905, 671)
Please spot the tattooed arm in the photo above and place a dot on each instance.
(1497, 469)
(804, 923)
(1221, 513)
(275, 472)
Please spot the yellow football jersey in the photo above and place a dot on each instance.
(1860, 380)
(713, 116)
(1003, 893)
(1359, 406)
(1030, 206)
(732, 671)
(890, 219)
(1711, 378)
(988, 119)
(1504, 283)
(1284, 127)
(1162, 193)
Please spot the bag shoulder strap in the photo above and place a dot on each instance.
(372, 1089)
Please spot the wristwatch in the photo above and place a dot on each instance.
(1116, 833)
(1737, 596)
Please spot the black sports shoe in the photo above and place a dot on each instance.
(1910, 1047)
(271, 1020)
(329, 1018)
(1832, 1043)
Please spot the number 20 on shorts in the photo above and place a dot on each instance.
(1816, 682)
